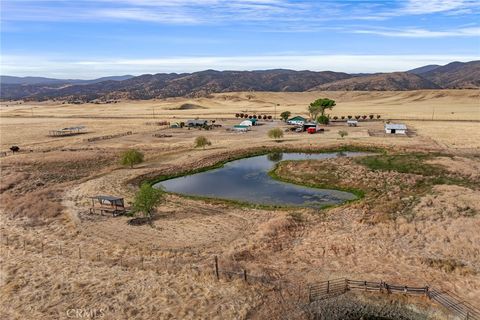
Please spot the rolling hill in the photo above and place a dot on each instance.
(455, 75)
(396, 81)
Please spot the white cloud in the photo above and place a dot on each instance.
(433, 6)
(423, 33)
(87, 69)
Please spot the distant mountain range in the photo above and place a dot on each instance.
(455, 75)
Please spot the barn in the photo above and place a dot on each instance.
(395, 128)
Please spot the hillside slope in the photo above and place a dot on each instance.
(396, 81)
(456, 75)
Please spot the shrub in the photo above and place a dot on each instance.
(349, 117)
(146, 199)
(275, 133)
(335, 118)
(342, 133)
(323, 119)
(342, 117)
(202, 142)
(131, 157)
(371, 117)
(378, 116)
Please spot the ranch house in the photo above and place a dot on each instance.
(298, 120)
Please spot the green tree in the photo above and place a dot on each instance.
(131, 157)
(202, 142)
(319, 106)
(323, 119)
(146, 199)
(275, 133)
(285, 115)
(342, 133)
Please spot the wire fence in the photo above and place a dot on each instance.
(316, 292)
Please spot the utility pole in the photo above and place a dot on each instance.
(433, 111)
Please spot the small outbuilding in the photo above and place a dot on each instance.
(395, 128)
(352, 123)
(308, 125)
(297, 120)
(247, 123)
(240, 128)
(109, 204)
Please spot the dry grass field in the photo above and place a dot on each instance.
(57, 258)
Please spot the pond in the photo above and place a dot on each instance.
(247, 180)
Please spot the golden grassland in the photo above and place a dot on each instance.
(164, 271)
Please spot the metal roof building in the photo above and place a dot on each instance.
(395, 128)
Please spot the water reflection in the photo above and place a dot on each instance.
(247, 180)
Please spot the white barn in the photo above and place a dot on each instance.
(395, 128)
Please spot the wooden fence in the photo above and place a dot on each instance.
(110, 136)
(336, 287)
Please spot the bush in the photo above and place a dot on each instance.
(146, 199)
(202, 142)
(275, 133)
(323, 119)
(131, 157)
(342, 133)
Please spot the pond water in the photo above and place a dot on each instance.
(247, 180)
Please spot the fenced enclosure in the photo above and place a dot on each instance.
(332, 288)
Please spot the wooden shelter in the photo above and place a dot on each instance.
(109, 204)
(70, 131)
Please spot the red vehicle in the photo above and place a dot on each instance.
(312, 130)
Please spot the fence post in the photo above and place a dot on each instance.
(141, 259)
(328, 286)
(24, 245)
(310, 294)
(245, 275)
(61, 251)
(42, 248)
(217, 275)
(79, 253)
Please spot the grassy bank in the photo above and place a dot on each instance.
(260, 152)
(264, 151)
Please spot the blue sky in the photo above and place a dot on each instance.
(88, 39)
